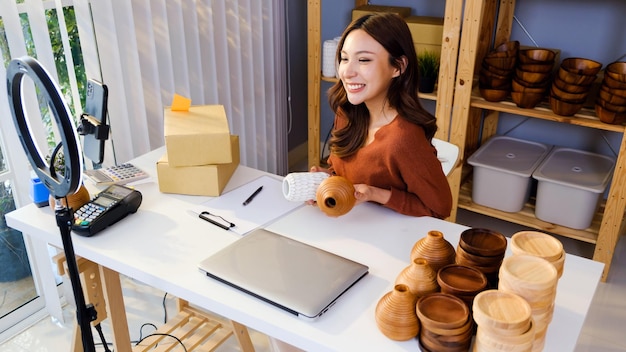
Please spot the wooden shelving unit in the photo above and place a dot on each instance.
(475, 117)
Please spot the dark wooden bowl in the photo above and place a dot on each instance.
(570, 87)
(611, 107)
(458, 279)
(617, 71)
(581, 66)
(506, 49)
(519, 86)
(536, 56)
(532, 77)
(508, 72)
(542, 67)
(526, 100)
(567, 96)
(565, 108)
(610, 117)
(503, 63)
(492, 94)
(606, 95)
(483, 242)
(575, 78)
(613, 83)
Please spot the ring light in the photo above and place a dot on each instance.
(59, 185)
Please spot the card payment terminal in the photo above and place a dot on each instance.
(108, 207)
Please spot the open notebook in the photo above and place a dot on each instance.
(299, 278)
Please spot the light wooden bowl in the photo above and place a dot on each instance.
(507, 313)
(529, 273)
(538, 244)
(489, 340)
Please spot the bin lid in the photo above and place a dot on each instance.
(576, 168)
(511, 155)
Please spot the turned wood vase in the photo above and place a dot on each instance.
(395, 314)
(335, 196)
(435, 249)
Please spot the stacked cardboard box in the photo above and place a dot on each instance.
(427, 33)
(201, 154)
(368, 9)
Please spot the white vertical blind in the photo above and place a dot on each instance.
(212, 51)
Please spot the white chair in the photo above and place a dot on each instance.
(447, 153)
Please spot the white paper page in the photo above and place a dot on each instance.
(267, 205)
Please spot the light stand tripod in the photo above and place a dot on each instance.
(58, 185)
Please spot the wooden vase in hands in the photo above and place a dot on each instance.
(435, 249)
(419, 277)
(395, 314)
(335, 196)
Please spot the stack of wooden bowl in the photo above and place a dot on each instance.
(504, 322)
(571, 86)
(532, 76)
(484, 250)
(462, 281)
(540, 245)
(446, 323)
(611, 102)
(535, 280)
(496, 72)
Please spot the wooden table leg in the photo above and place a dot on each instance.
(242, 336)
(115, 308)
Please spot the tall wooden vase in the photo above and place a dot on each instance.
(419, 277)
(395, 313)
(335, 196)
(435, 249)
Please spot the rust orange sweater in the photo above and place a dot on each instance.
(402, 160)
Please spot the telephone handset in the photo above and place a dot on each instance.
(108, 207)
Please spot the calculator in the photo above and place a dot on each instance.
(116, 175)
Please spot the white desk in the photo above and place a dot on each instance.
(162, 244)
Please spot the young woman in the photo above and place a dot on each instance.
(381, 139)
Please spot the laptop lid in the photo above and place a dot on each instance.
(299, 278)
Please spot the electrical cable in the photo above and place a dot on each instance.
(161, 334)
(164, 309)
(104, 343)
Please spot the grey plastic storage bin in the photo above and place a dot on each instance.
(571, 183)
(502, 172)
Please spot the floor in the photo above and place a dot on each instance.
(603, 330)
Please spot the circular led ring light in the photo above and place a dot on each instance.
(59, 185)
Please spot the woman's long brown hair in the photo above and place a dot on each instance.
(392, 32)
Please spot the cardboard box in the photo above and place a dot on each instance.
(427, 32)
(367, 9)
(571, 184)
(502, 172)
(199, 136)
(201, 180)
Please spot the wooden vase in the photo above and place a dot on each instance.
(74, 201)
(419, 277)
(395, 314)
(435, 249)
(335, 196)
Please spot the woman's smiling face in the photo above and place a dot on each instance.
(365, 70)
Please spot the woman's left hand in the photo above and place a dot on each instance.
(367, 193)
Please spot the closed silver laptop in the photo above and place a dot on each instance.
(299, 278)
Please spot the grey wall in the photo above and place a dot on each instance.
(581, 28)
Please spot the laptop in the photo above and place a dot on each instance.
(298, 278)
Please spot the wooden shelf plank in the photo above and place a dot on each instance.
(526, 217)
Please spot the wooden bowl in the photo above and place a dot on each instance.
(529, 273)
(613, 83)
(567, 96)
(531, 77)
(492, 80)
(493, 94)
(581, 66)
(483, 242)
(458, 279)
(507, 313)
(441, 311)
(575, 78)
(610, 117)
(502, 63)
(538, 244)
(506, 49)
(477, 259)
(526, 100)
(614, 91)
(570, 87)
(517, 86)
(611, 107)
(536, 56)
(493, 340)
(617, 71)
(496, 70)
(543, 67)
(606, 95)
(564, 108)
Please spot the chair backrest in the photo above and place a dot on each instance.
(447, 153)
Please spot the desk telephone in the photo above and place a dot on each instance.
(108, 207)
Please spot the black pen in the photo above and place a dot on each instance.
(204, 217)
(247, 201)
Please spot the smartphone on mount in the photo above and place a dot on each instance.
(96, 108)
